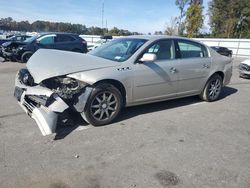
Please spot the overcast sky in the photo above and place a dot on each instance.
(135, 15)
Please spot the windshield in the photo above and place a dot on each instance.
(118, 50)
(31, 39)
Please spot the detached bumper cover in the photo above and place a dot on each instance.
(41, 104)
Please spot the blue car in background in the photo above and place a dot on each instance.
(22, 51)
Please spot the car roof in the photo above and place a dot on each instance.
(158, 37)
(61, 33)
(154, 37)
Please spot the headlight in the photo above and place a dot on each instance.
(65, 87)
(25, 77)
(71, 84)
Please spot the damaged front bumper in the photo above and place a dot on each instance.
(41, 104)
(44, 106)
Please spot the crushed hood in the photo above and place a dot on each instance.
(46, 63)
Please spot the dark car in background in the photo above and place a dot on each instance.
(22, 51)
(103, 39)
(15, 38)
(223, 51)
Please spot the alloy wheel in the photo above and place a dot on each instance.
(214, 89)
(104, 106)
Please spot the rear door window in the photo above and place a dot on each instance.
(47, 40)
(189, 49)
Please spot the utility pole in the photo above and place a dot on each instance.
(102, 14)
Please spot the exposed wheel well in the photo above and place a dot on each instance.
(220, 73)
(116, 84)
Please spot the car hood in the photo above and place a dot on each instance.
(45, 64)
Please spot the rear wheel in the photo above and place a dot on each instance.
(104, 105)
(212, 89)
(25, 57)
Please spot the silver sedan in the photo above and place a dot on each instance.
(124, 72)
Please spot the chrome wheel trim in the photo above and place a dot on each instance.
(214, 89)
(104, 106)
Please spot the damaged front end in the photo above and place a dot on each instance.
(12, 50)
(45, 101)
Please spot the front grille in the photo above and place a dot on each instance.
(244, 67)
(41, 100)
(29, 106)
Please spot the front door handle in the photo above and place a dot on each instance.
(206, 66)
(173, 70)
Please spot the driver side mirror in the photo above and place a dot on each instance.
(37, 42)
(148, 57)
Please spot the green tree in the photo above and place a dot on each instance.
(158, 33)
(194, 19)
(230, 18)
(8, 24)
(181, 4)
(114, 32)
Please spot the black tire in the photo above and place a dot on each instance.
(77, 50)
(213, 88)
(25, 57)
(97, 101)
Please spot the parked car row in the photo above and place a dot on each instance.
(22, 50)
(21, 47)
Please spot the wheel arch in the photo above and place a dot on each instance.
(24, 54)
(220, 73)
(116, 84)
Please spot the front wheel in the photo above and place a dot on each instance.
(25, 57)
(213, 88)
(104, 105)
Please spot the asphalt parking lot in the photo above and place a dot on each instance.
(180, 143)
